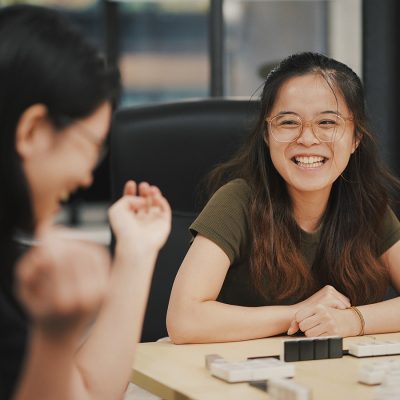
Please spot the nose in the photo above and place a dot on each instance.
(307, 136)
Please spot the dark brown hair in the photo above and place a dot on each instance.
(43, 59)
(348, 253)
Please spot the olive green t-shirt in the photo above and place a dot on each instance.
(225, 221)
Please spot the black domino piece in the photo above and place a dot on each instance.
(335, 347)
(321, 349)
(306, 350)
(291, 350)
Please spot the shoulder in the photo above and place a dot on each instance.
(237, 189)
(390, 232)
(224, 220)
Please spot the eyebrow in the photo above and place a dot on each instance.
(322, 112)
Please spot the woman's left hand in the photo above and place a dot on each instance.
(320, 320)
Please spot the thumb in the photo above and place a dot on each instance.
(293, 328)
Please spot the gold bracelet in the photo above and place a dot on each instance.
(361, 318)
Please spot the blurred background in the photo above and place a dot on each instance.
(170, 50)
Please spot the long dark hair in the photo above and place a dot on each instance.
(348, 253)
(42, 60)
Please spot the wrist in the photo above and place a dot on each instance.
(134, 257)
(356, 322)
(134, 248)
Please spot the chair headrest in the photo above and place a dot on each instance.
(175, 145)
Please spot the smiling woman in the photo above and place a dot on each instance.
(300, 228)
(63, 159)
(56, 99)
(310, 156)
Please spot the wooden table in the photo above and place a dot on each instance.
(177, 372)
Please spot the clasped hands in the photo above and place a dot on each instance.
(325, 313)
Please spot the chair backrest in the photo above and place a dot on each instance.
(174, 146)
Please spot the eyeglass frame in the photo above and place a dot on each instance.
(66, 121)
(305, 124)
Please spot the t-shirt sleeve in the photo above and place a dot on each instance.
(224, 219)
(391, 231)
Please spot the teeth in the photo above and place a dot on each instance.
(309, 160)
(64, 196)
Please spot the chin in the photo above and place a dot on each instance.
(310, 185)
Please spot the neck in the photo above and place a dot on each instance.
(309, 207)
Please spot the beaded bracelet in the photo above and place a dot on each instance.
(361, 318)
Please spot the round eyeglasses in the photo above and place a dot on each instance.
(89, 136)
(288, 127)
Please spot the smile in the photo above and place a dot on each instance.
(309, 161)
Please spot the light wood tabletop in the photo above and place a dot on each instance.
(177, 372)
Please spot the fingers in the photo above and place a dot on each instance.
(130, 188)
(162, 203)
(293, 328)
(146, 215)
(307, 319)
(136, 203)
(316, 321)
(144, 195)
(152, 196)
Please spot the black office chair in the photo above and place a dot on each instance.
(174, 146)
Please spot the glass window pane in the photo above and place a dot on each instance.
(261, 33)
(163, 50)
(67, 4)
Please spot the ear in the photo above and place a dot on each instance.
(356, 141)
(31, 132)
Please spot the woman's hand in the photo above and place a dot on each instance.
(62, 283)
(327, 296)
(323, 300)
(141, 218)
(322, 320)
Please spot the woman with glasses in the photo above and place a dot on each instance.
(68, 323)
(300, 235)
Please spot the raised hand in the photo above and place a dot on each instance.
(61, 283)
(141, 218)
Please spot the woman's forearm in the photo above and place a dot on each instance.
(212, 321)
(105, 360)
(49, 371)
(381, 317)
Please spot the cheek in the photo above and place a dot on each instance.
(342, 152)
(278, 157)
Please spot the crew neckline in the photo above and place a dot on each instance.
(311, 237)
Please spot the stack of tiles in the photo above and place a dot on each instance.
(312, 348)
(375, 373)
(248, 370)
(284, 389)
(374, 348)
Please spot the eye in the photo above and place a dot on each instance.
(327, 123)
(287, 123)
